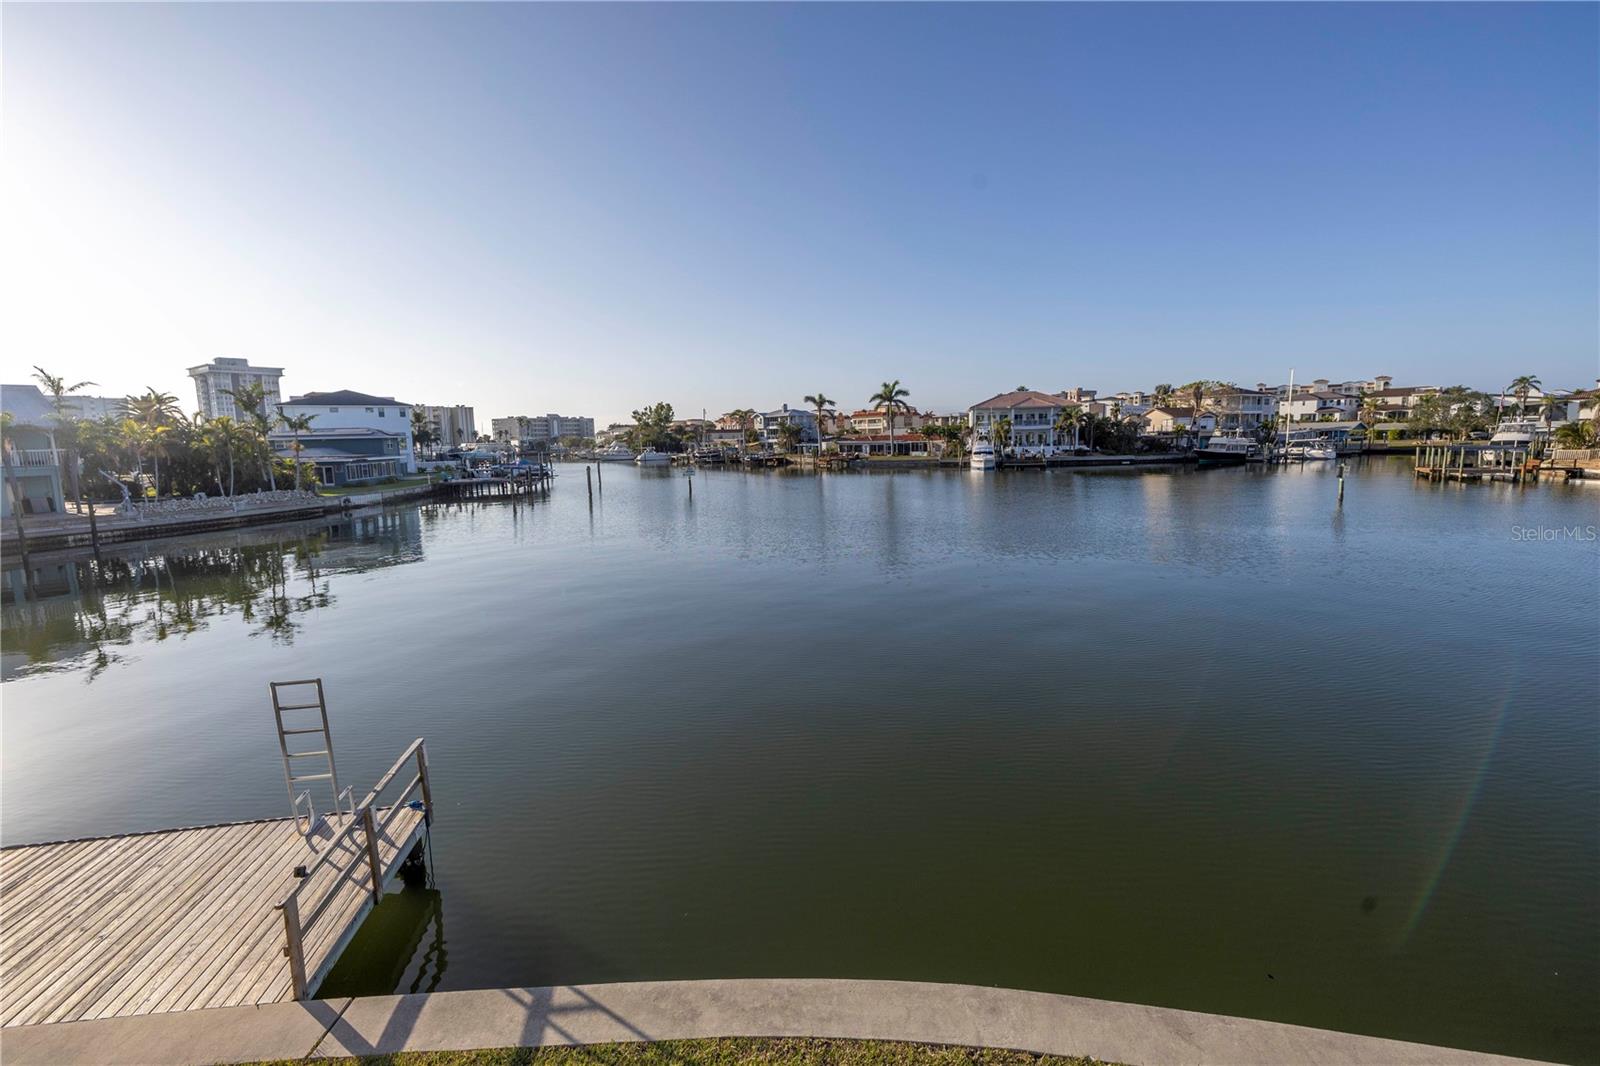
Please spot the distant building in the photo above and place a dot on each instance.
(1395, 404)
(452, 426)
(30, 459)
(95, 408)
(354, 436)
(214, 380)
(546, 429)
(768, 422)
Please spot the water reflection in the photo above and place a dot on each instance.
(88, 609)
(399, 948)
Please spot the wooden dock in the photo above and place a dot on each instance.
(211, 916)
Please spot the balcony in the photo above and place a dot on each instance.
(22, 458)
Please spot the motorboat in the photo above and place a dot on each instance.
(615, 452)
(1228, 451)
(983, 456)
(1319, 449)
(1518, 433)
(651, 457)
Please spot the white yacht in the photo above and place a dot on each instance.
(983, 457)
(1320, 449)
(615, 452)
(650, 457)
(1518, 433)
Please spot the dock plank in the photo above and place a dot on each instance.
(156, 922)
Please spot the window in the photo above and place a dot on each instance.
(333, 410)
(381, 411)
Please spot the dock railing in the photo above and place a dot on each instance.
(363, 831)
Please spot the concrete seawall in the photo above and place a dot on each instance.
(668, 1010)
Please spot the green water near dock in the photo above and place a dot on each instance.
(1193, 738)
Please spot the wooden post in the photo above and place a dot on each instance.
(292, 946)
(600, 476)
(1341, 484)
(372, 853)
(427, 790)
(588, 479)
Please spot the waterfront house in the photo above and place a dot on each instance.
(1240, 410)
(1395, 403)
(767, 423)
(355, 437)
(1320, 406)
(1165, 420)
(878, 444)
(32, 465)
(876, 420)
(1032, 415)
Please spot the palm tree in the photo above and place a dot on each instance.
(421, 431)
(1069, 417)
(821, 404)
(296, 424)
(1369, 415)
(222, 434)
(789, 433)
(1163, 394)
(66, 424)
(252, 400)
(1575, 435)
(1549, 405)
(153, 411)
(747, 422)
(1000, 435)
(1520, 387)
(890, 399)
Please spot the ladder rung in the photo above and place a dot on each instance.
(303, 754)
(300, 707)
(318, 729)
(312, 777)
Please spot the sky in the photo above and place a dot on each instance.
(589, 208)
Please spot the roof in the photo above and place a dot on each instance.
(1024, 398)
(1408, 390)
(26, 405)
(345, 396)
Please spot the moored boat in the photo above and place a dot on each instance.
(983, 457)
(615, 452)
(1228, 451)
(650, 457)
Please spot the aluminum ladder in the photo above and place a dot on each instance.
(295, 698)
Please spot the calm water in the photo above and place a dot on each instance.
(1194, 739)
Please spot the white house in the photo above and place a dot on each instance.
(1032, 415)
(1312, 406)
(768, 422)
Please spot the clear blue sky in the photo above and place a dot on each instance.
(588, 208)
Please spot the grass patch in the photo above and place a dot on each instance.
(357, 490)
(728, 1051)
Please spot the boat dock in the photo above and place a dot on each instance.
(487, 488)
(237, 914)
(1475, 461)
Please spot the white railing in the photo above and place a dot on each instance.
(33, 457)
(203, 504)
(299, 917)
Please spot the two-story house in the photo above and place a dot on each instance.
(32, 465)
(354, 437)
(1032, 416)
(767, 423)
